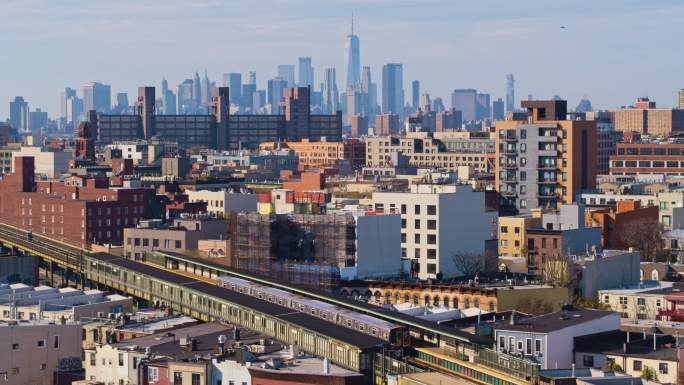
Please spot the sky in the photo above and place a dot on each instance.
(610, 51)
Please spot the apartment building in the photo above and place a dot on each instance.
(447, 150)
(33, 351)
(48, 163)
(645, 118)
(437, 222)
(545, 160)
(180, 236)
(222, 203)
(326, 154)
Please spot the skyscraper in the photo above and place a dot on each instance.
(681, 99)
(63, 96)
(276, 92)
(74, 111)
(465, 100)
(19, 114)
(37, 120)
(205, 92)
(98, 97)
(510, 93)
(186, 103)
(122, 105)
(498, 109)
(287, 73)
(248, 91)
(251, 76)
(197, 92)
(415, 94)
(484, 108)
(233, 81)
(306, 72)
(331, 101)
(352, 59)
(371, 90)
(393, 89)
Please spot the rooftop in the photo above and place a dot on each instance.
(552, 322)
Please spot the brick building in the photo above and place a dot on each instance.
(613, 221)
(648, 158)
(78, 211)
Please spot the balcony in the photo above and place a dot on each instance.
(547, 194)
(547, 181)
(509, 194)
(509, 166)
(547, 166)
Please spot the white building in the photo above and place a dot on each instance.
(438, 221)
(223, 202)
(640, 302)
(48, 163)
(549, 339)
(33, 351)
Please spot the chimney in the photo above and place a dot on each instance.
(511, 321)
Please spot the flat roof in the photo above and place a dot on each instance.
(551, 322)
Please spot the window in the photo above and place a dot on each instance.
(636, 365)
(623, 300)
(145, 242)
(195, 379)
(92, 359)
(177, 378)
(511, 344)
(641, 301)
(588, 361)
(15, 346)
(502, 343)
(504, 229)
(416, 238)
(537, 345)
(40, 343)
(121, 359)
(431, 224)
(431, 268)
(403, 223)
(416, 253)
(662, 368)
(55, 342)
(416, 224)
(528, 346)
(416, 209)
(152, 374)
(403, 209)
(432, 210)
(178, 245)
(43, 366)
(403, 237)
(432, 254)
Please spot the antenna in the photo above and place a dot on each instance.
(352, 24)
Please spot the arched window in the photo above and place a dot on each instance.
(455, 301)
(491, 306)
(435, 301)
(415, 299)
(377, 296)
(476, 303)
(396, 297)
(654, 275)
(466, 303)
(445, 302)
(407, 298)
(427, 300)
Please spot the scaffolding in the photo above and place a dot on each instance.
(307, 249)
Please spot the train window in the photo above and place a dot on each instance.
(374, 331)
(362, 327)
(349, 322)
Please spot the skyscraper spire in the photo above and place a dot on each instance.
(352, 59)
(352, 24)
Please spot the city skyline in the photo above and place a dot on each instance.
(596, 35)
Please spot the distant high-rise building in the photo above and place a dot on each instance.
(331, 102)
(169, 103)
(371, 90)
(19, 114)
(63, 96)
(74, 108)
(97, 97)
(681, 99)
(205, 92)
(164, 90)
(484, 107)
(251, 76)
(197, 92)
(122, 105)
(465, 100)
(425, 103)
(248, 91)
(258, 100)
(437, 105)
(233, 81)
(498, 109)
(415, 94)
(353, 59)
(287, 73)
(306, 72)
(584, 105)
(276, 92)
(185, 101)
(510, 93)
(37, 120)
(393, 89)
(386, 124)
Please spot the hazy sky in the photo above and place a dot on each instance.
(611, 51)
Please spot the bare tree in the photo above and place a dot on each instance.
(556, 271)
(645, 235)
(468, 263)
